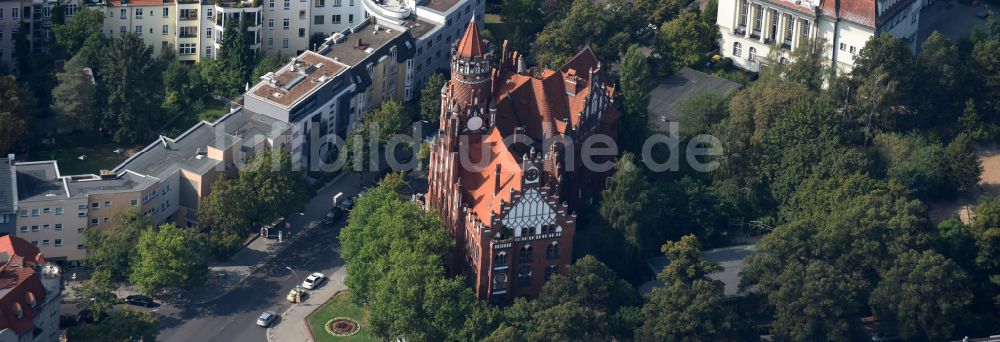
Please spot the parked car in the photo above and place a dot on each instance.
(266, 318)
(331, 216)
(140, 300)
(313, 281)
(296, 295)
(346, 204)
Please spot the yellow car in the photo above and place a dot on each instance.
(296, 295)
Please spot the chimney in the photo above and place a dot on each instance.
(570, 82)
(496, 181)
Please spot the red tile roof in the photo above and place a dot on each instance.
(471, 44)
(860, 12)
(22, 285)
(545, 107)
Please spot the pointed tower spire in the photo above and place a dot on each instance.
(471, 44)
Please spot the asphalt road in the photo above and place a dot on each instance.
(232, 317)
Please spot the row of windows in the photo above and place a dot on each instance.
(336, 3)
(58, 242)
(523, 277)
(35, 228)
(527, 253)
(334, 19)
(40, 212)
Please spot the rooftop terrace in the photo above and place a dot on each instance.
(357, 46)
(297, 79)
(441, 5)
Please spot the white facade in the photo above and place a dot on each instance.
(33, 15)
(752, 29)
(434, 46)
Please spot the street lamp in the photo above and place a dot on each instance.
(295, 274)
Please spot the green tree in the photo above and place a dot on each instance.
(74, 100)
(630, 205)
(169, 257)
(710, 12)
(15, 104)
(391, 120)
(942, 76)
(85, 28)
(227, 211)
(684, 41)
(659, 12)
(268, 63)
(689, 312)
(635, 84)
(183, 86)
(96, 295)
(926, 293)
(591, 284)
(430, 97)
(236, 60)
(698, 113)
(563, 322)
(126, 325)
(523, 15)
(112, 249)
(808, 64)
(130, 109)
(275, 184)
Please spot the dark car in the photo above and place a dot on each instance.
(140, 300)
(331, 216)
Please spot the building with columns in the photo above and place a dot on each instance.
(751, 29)
(505, 175)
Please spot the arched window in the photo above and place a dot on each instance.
(524, 276)
(550, 271)
(500, 281)
(552, 251)
(753, 54)
(527, 231)
(737, 49)
(500, 260)
(18, 310)
(526, 253)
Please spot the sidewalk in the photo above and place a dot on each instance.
(227, 275)
(291, 325)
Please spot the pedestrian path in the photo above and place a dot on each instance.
(292, 326)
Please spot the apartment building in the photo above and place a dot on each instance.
(752, 29)
(442, 23)
(32, 17)
(30, 292)
(165, 181)
(8, 197)
(191, 27)
(324, 93)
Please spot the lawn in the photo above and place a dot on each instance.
(66, 148)
(339, 306)
(187, 119)
(498, 29)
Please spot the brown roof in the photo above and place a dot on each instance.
(544, 107)
(21, 286)
(288, 86)
(860, 12)
(471, 44)
(441, 5)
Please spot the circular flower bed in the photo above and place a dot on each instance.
(342, 326)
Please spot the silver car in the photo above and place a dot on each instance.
(266, 318)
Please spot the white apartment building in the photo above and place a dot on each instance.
(446, 18)
(33, 16)
(191, 27)
(751, 29)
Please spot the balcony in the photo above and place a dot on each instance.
(393, 11)
(187, 2)
(188, 18)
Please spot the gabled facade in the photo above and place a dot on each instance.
(504, 175)
(751, 29)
